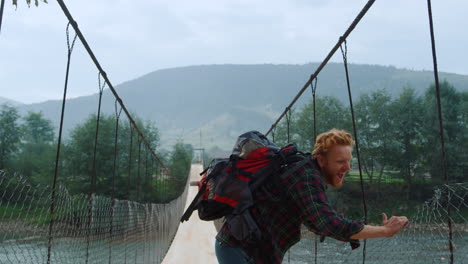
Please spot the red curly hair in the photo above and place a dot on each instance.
(327, 140)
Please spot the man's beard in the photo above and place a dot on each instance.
(333, 179)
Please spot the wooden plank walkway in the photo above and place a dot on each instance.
(194, 240)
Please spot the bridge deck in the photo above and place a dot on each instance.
(194, 241)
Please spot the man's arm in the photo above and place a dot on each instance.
(389, 228)
(307, 191)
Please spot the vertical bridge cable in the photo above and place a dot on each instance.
(2, 5)
(94, 174)
(159, 232)
(92, 186)
(145, 223)
(441, 127)
(147, 172)
(127, 207)
(130, 163)
(153, 172)
(288, 124)
(325, 61)
(57, 157)
(153, 223)
(345, 63)
(116, 136)
(314, 89)
(138, 171)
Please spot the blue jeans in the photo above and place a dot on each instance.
(231, 255)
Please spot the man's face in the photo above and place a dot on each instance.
(335, 164)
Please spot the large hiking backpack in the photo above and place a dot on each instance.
(227, 185)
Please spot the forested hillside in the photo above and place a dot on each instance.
(223, 101)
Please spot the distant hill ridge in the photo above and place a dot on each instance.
(10, 102)
(225, 100)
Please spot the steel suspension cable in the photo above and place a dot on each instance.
(441, 126)
(325, 61)
(273, 134)
(104, 75)
(59, 143)
(345, 63)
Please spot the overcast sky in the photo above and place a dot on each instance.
(133, 37)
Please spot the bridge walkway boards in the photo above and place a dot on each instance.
(194, 240)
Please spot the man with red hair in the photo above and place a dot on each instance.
(301, 199)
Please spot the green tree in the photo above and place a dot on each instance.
(9, 135)
(133, 161)
(454, 127)
(374, 126)
(179, 167)
(181, 158)
(171, 183)
(35, 160)
(36, 129)
(462, 173)
(78, 156)
(408, 135)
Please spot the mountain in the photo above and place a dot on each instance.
(10, 102)
(222, 101)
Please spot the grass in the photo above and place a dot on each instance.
(387, 177)
(18, 212)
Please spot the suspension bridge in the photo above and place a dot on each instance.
(138, 220)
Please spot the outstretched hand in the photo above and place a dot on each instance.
(394, 225)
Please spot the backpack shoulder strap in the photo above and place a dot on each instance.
(295, 167)
(193, 204)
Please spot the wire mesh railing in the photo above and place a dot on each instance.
(424, 241)
(120, 231)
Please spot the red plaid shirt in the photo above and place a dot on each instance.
(280, 216)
